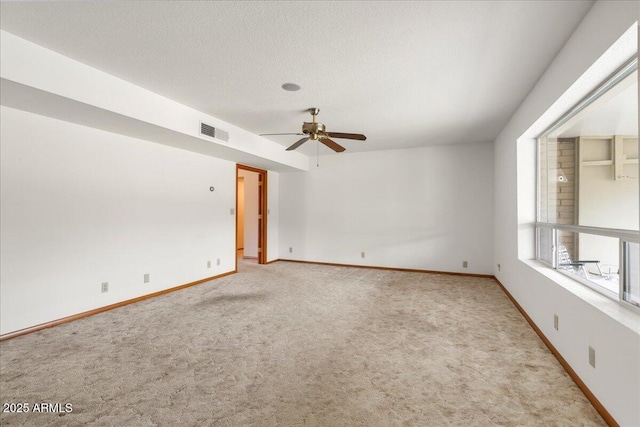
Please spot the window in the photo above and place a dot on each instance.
(588, 214)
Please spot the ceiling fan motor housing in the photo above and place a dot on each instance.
(313, 129)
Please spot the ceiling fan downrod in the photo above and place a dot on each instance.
(314, 112)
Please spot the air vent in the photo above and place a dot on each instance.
(212, 132)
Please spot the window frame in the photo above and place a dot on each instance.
(625, 237)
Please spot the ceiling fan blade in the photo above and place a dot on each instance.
(357, 136)
(267, 134)
(331, 144)
(298, 144)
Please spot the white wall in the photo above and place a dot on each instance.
(586, 318)
(423, 208)
(82, 206)
(45, 82)
(250, 212)
(273, 215)
(605, 202)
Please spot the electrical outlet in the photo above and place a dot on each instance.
(290, 250)
(592, 356)
(361, 254)
(208, 264)
(232, 211)
(268, 211)
(555, 322)
(105, 287)
(218, 261)
(146, 278)
(498, 267)
(464, 264)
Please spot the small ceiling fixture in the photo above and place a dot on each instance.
(291, 87)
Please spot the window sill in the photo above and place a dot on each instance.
(618, 311)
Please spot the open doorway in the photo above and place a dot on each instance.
(251, 218)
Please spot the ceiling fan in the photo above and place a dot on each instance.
(316, 131)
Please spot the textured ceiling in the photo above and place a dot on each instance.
(406, 74)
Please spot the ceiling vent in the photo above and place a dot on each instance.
(210, 131)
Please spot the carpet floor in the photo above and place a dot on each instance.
(292, 344)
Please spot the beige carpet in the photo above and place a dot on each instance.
(293, 344)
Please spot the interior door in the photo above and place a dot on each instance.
(262, 212)
(261, 207)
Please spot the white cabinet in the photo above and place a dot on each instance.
(617, 152)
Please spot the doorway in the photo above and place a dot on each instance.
(251, 218)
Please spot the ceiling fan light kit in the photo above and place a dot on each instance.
(318, 132)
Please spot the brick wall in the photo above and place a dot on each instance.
(558, 198)
(565, 200)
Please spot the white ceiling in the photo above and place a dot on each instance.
(406, 74)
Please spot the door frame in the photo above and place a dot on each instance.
(262, 212)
